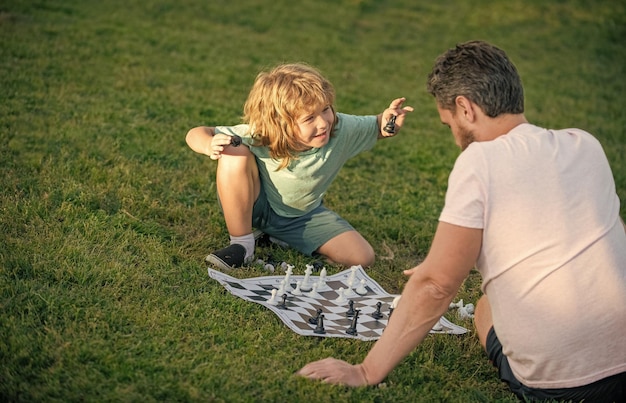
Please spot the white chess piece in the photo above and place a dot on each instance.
(272, 299)
(341, 297)
(288, 287)
(463, 313)
(438, 326)
(349, 292)
(313, 293)
(281, 287)
(458, 304)
(297, 290)
(469, 308)
(396, 300)
(321, 282)
(361, 290)
(352, 277)
(306, 283)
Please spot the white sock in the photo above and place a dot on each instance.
(247, 241)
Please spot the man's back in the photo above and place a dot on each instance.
(553, 258)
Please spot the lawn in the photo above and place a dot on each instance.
(106, 215)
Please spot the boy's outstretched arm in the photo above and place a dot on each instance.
(203, 140)
(395, 109)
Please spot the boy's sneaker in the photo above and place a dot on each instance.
(229, 257)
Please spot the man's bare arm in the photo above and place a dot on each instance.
(431, 287)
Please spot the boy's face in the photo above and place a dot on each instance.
(314, 127)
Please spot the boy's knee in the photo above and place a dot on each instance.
(369, 257)
(238, 164)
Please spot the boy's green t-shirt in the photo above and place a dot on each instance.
(299, 188)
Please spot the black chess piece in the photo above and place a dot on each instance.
(390, 127)
(352, 329)
(319, 329)
(317, 266)
(377, 314)
(283, 305)
(235, 140)
(350, 308)
(314, 319)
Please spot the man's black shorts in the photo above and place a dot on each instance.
(611, 389)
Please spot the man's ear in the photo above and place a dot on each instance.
(465, 108)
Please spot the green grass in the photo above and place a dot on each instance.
(106, 215)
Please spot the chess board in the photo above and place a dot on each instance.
(299, 309)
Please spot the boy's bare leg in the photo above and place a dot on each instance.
(238, 186)
(482, 320)
(348, 249)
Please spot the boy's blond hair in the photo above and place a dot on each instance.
(277, 99)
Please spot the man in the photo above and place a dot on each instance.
(537, 213)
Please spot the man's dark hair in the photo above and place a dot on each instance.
(480, 72)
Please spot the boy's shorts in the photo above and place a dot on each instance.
(305, 233)
(609, 389)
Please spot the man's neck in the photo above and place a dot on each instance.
(502, 124)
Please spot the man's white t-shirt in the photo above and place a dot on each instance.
(553, 256)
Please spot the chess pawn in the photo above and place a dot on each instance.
(349, 292)
(377, 314)
(351, 310)
(272, 299)
(297, 290)
(283, 304)
(313, 293)
(361, 290)
(341, 296)
(281, 287)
